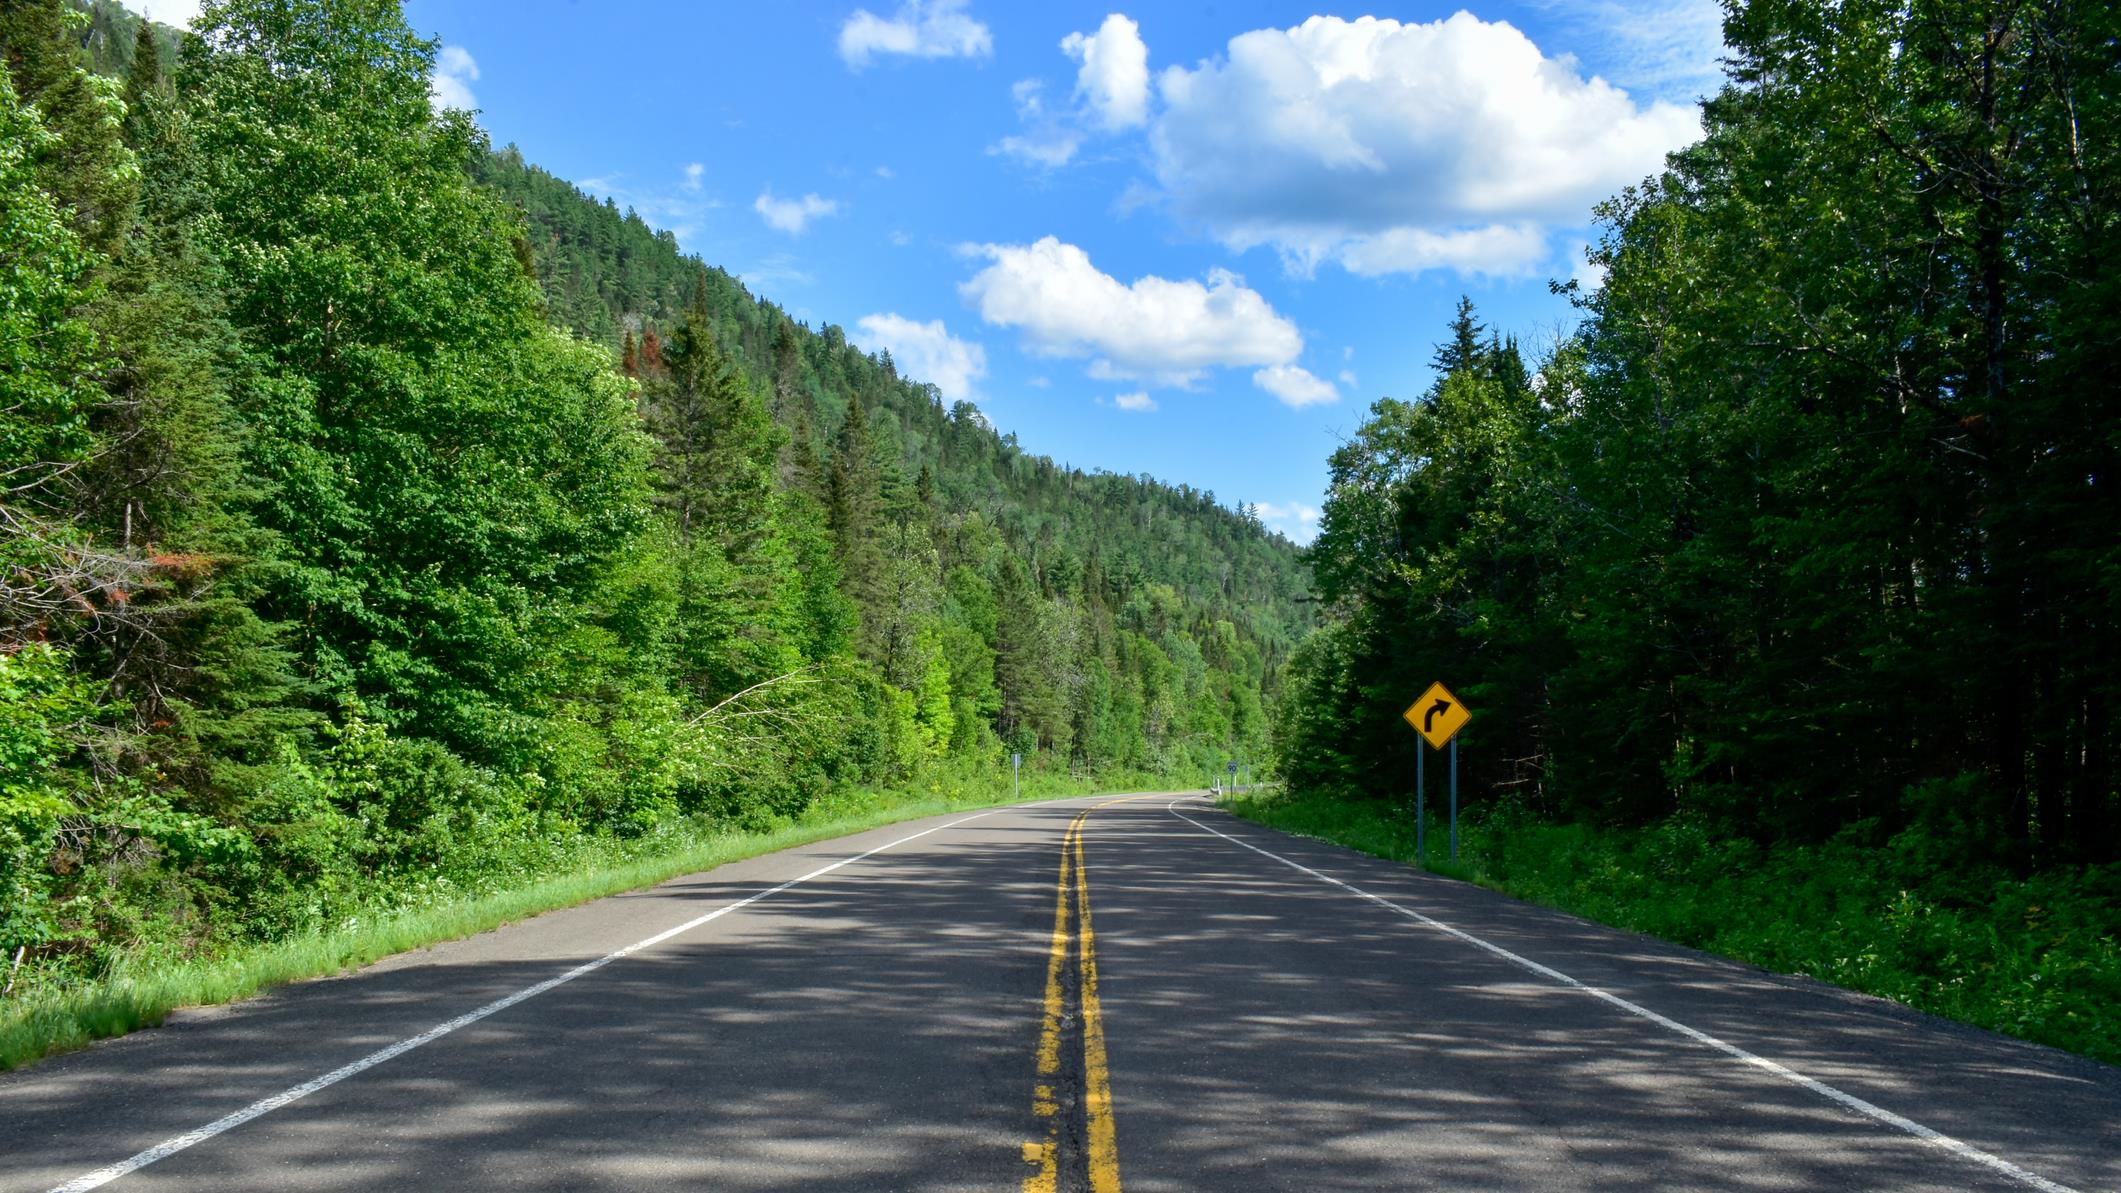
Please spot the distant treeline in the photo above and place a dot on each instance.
(376, 511)
(1813, 530)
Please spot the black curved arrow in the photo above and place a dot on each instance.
(1429, 717)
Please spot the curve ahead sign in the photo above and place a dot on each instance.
(1438, 715)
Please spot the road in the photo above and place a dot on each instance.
(915, 1007)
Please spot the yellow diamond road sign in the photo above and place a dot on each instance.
(1438, 715)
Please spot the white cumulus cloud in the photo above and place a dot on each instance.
(1400, 148)
(925, 352)
(1152, 327)
(450, 87)
(1114, 78)
(1139, 401)
(1295, 386)
(793, 215)
(920, 29)
(694, 171)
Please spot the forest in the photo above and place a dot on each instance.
(382, 517)
(1784, 590)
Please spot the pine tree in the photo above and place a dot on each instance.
(1463, 348)
(86, 166)
(48, 357)
(651, 351)
(855, 496)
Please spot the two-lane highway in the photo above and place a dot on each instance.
(1139, 993)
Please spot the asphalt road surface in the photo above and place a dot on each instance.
(1187, 1001)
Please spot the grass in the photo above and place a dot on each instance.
(51, 1019)
(2034, 956)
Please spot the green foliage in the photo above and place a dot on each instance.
(46, 349)
(40, 705)
(387, 521)
(1816, 508)
(1804, 546)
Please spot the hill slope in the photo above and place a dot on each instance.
(607, 275)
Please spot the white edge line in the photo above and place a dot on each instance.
(171, 1146)
(1869, 1110)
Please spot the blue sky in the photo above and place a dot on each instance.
(1191, 240)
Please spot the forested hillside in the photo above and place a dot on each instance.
(381, 515)
(612, 279)
(1802, 556)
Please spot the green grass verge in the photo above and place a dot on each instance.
(2037, 957)
(45, 1021)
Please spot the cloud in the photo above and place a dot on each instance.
(926, 352)
(1153, 327)
(1049, 142)
(1499, 250)
(1114, 79)
(170, 12)
(920, 29)
(1111, 93)
(677, 207)
(1139, 401)
(1295, 386)
(1585, 272)
(1299, 522)
(1399, 148)
(778, 269)
(450, 87)
(1049, 149)
(793, 215)
(1669, 48)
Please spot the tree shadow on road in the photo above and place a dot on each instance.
(874, 1029)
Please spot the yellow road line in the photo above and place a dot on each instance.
(1097, 1082)
(1044, 1156)
(1073, 886)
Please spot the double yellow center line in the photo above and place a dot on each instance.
(1072, 892)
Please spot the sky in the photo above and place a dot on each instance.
(1189, 240)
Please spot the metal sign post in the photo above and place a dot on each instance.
(1421, 814)
(1016, 776)
(1454, 799)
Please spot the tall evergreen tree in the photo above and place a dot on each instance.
(1463, 348)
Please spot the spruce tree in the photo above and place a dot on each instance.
(1463, 348)
(854, 489)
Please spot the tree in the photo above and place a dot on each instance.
(439, 524)
(1463, 348)
(47, 358)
